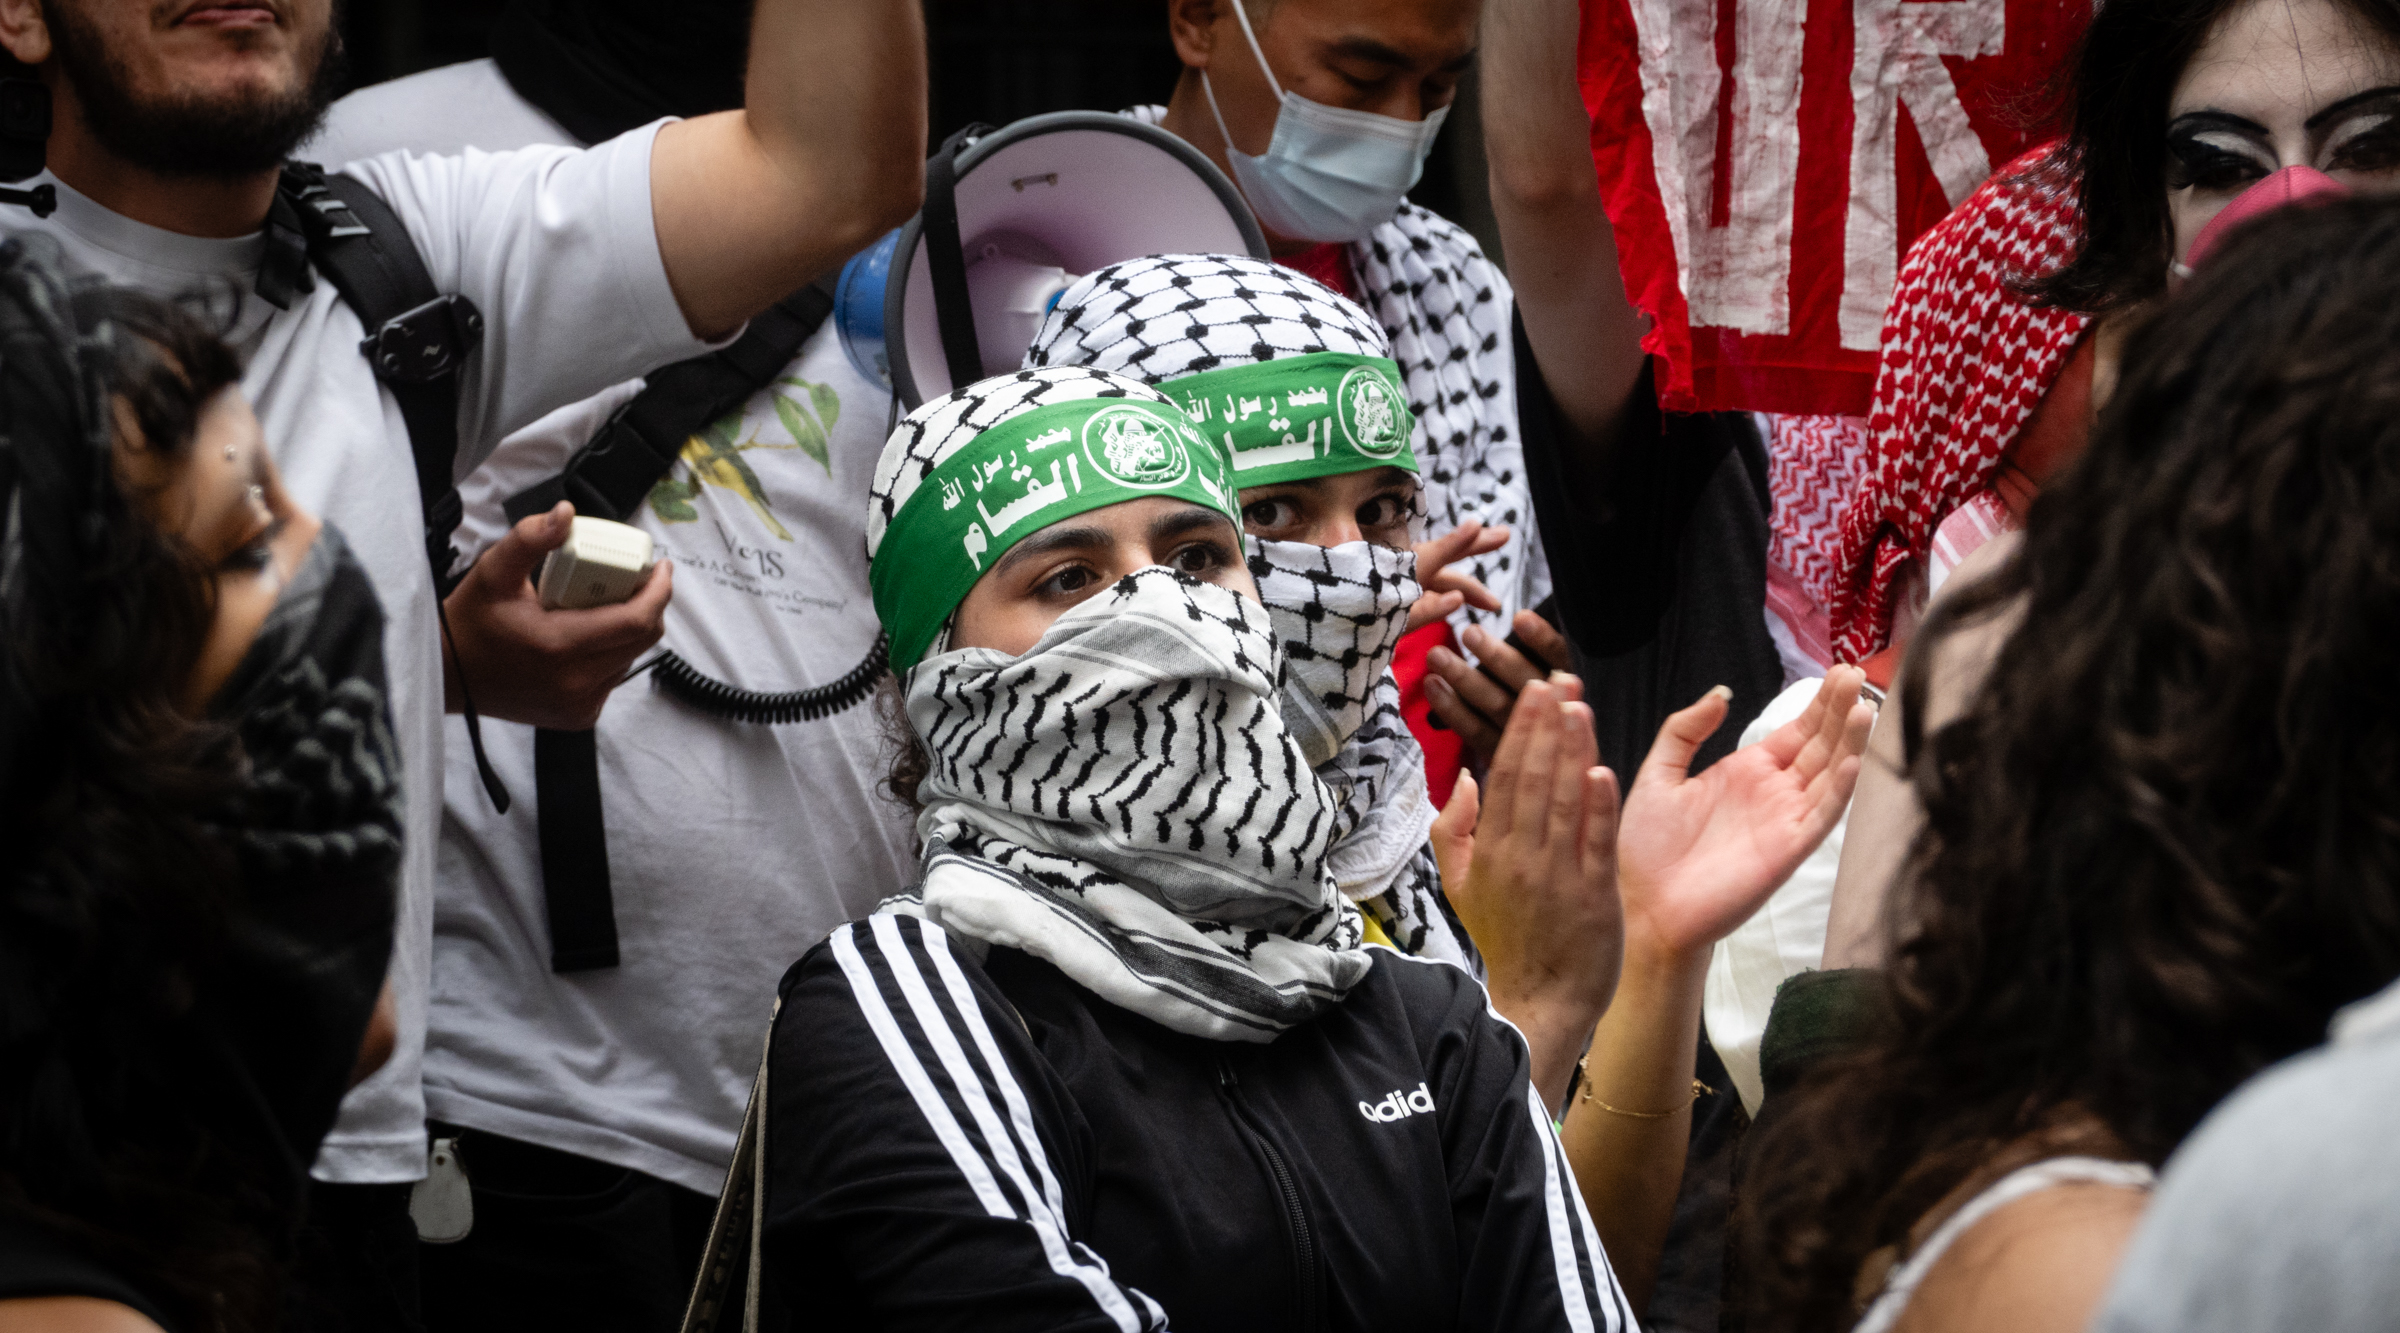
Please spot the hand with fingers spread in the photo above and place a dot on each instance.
(1539, 892)
(1697, 855)
(1474, 698)
(526, 663)
(1446, 590)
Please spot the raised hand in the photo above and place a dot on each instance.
(1474, 698)
(1446, 590)
(1539, 891)
(1698, 855)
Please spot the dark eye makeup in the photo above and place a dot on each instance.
(2198, 156)
(2368, 141)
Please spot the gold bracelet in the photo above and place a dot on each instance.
(1699, 1090)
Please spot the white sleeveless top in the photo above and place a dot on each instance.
(2033, 1179)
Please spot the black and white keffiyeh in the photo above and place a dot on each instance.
(1124, 801)
(1163, 317)
(1446, 310)
(1339, 611)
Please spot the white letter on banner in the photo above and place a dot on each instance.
(1897, 60)
(1737, 276)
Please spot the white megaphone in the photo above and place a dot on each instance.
(1012, 218)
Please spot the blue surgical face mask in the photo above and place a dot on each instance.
(1328, 174)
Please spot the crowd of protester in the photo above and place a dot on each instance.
(1429, 883)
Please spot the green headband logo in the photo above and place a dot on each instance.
(1317, 414)
(1371, 414)
(1133, 446)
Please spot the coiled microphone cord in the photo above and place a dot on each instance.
(718, 699)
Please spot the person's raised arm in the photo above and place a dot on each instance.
(826, 155)
(1696, 856)
(1562, 252)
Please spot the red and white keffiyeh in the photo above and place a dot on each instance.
(1966, 359)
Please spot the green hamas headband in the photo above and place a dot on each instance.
(1318, 415)
(1019, 477)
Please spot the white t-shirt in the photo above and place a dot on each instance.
(732, 847)
(542, 242)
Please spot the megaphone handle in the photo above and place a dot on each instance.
(946, 261)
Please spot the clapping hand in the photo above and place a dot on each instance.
(1532, 873)
(1697, 855)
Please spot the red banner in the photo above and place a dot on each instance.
(1767, 162)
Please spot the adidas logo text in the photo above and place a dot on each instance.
(1398, 1104)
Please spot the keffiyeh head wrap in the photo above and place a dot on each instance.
(1966, 361)
(1338, 612)
(1289, 378)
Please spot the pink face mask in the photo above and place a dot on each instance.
(2292, 185)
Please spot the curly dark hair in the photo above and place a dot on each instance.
(2132, 56)
(115, 899)
(907, 763)
(2162, 840)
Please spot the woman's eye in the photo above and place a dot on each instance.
(1270, 514)
(2197, 164)
(1382, 512)
(1072, 579)
(1197, 558)
(2375, 146)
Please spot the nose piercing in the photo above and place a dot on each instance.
(258, 495)
(230, 453)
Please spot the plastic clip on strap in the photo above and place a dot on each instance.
(946, 261)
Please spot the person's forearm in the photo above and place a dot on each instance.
(826, 155)
(1562, 252)
(1629, 1167)
(1554, 1029)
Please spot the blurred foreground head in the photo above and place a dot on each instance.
(2161, 846)
(201, 803)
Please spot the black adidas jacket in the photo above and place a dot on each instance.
(954, 1145)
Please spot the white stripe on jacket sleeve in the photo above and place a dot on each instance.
(978, 1170)
(1562, 1198)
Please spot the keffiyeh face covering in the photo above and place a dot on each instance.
(1124, 802)
(1338, 612)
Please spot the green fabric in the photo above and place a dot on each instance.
(1816, 1015)
(1019, 477)
(1318, 415)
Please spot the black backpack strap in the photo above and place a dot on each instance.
(609, 477)
(418, 339)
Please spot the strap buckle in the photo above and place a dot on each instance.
(422, 345)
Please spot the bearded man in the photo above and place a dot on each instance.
(172, 118)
